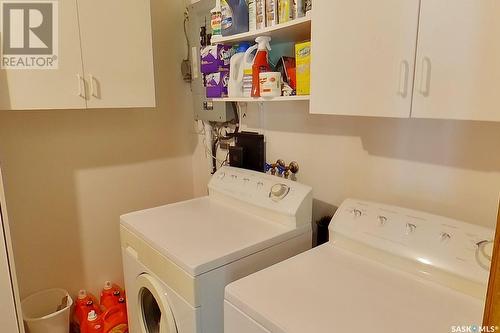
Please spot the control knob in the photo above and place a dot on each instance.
(279, 191)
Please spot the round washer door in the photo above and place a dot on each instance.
(155, 314)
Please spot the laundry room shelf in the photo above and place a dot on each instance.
(293, 31)
(262, 99)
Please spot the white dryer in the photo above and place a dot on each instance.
(385, 270)
(178, 258)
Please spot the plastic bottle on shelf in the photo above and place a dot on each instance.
(260, 12)
(234, 17)
(110, 295)
(252, 15)
(272, 10)
(236, 70)
(216, 19)
(84, 303)
(94, 323)
(285, 11)
(248, 59)
(260, 63)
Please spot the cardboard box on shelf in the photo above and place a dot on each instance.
(303, 67)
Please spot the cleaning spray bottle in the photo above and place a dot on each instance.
(260, 63)
(236, 71)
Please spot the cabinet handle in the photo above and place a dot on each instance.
(425, 78)
(81, 86)
(403, 78)
(93, 86)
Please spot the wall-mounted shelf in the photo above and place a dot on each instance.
(261, 99)
(295, 30)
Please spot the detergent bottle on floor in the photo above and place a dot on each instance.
(115, 319)
(94, 323)
(260, 63)
(110, 295)
(236, 71)
(84, 303)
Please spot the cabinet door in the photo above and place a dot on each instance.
(117, 52)
(458, 60)
(363, 56)
(59, 88)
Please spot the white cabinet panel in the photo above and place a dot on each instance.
(49, 88)
(363, 56)
(458, 60)
(117, 52)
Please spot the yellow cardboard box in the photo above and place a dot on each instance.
(303, 64)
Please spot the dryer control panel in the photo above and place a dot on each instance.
(271, 197)
(456, 247)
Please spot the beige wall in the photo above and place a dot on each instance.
(450, 168)
(70, 174)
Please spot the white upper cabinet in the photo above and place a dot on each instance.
(363, 55)
(61, 88)
(104, 52)
(117, 52)
(458, 60)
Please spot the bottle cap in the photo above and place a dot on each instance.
(82, 294)
(108, 285)
(92, 316)
(243, 46)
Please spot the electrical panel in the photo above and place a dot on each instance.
(207, 110)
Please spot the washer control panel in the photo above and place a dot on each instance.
(454, 246)
(275, 194)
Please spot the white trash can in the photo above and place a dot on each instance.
(47, 311)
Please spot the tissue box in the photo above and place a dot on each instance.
(216, 84)
(215, 58)
(303, 68)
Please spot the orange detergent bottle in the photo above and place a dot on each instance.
(115, 319)
(94, 323)
(85, 303)
(260, 63)
(110, 295)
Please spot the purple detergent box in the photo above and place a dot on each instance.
(215, 58)
(216, 84)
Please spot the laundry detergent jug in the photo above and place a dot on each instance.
(246, 66)
(234, 17)
(85, 303)
(94, 323)
(237, 71)
(110, 295)
(115, 319)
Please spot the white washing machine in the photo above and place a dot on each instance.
(385, 270)
(178, 258)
